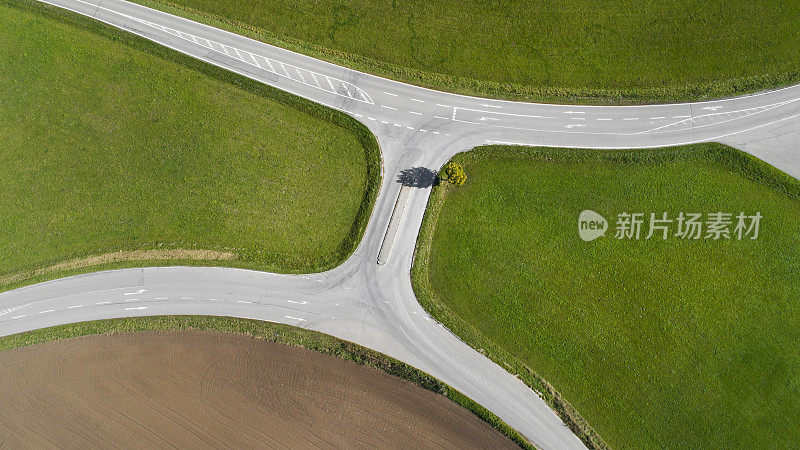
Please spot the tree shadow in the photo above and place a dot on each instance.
(419, 177)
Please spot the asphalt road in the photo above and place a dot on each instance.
(362, 301)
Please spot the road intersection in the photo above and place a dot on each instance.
(362, 301)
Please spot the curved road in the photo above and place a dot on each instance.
(360, 300)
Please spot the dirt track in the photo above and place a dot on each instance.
(191, 389)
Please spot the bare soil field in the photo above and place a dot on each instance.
(202, 389)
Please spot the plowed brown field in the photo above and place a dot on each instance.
(201, 389)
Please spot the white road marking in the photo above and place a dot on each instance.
(575, 125)
(657, 118)
(574, 112)
(46, 311)
(297, 303)
(160, 298)
(712, 108)
(187, 298)
(390, 94)
(295, 318)
(491, 106)
(136, 308)
(243, 301)
(19, 317)
(417, 100)
(443, 106)
(440, 117)
(132, 300)
(603, 118)
(140, 291)
(680, 117)
(74, 306)
(415, 113)
(410, 128)
(436, 132)
(102, 303)
(389, 107)
(630, 118)
(398, 125)
(483, 119)
(423, 130)
(371, 118)
(577, 118)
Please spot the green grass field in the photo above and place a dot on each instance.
(573, 51)
(656, 343)
(111, 142)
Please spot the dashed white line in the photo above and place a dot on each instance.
(132, 300)
(19, 317)
(443, 106)
(436, 132)
(243, 301)
(389, 107)
(417, 100)
(303, 302)
(415, 113)
(160, 298)
(577, 118)
(410, 128)
(491, 106)
(187, 298)
(630, 118)
(603, 118)
(46, 311)
(384, 122)
(681, 117)
(423, 130)
(657, 118)
(136, 308)
(102, 303)
(140, 291)
(74, 306)
(440, 117)
(371, 118)
(390, 94)
(295, 318)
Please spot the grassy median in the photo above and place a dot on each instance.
(113, 145)
(574, 51)
(656, 343)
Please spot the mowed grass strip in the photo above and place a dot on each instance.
(110, 142)
(572, 51)
(656, 343)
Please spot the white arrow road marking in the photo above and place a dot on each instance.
(140, 291)
(6, 311)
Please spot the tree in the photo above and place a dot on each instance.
(454, 173)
